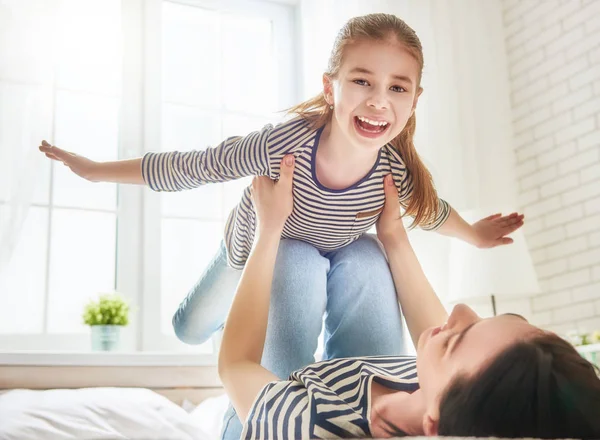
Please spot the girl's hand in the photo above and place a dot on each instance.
(80, 165)
(273, 200)
(492, 231)
(390, 228)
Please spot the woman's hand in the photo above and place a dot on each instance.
(273, 200)
(390, 228)
(492, 231)
(80, 165)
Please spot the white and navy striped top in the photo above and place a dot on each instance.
(330, 399)
(326, 218)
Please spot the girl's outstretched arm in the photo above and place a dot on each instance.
(246, 326)
(120, 171)
(232, 159)
(489, 232)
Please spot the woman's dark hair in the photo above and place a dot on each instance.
(539, 388)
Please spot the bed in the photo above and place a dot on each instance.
(112, 402)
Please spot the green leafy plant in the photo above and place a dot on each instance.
(580, 338)
(109, 309)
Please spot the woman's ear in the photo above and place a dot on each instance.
(327, 89)
(430, 425)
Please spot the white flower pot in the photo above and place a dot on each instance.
(105, 337)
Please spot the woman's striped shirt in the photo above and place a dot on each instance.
(326, 218)
(329, 399)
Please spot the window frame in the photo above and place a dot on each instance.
(138, 218)
(282, 16)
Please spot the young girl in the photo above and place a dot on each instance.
(496, 377)
(344, 140)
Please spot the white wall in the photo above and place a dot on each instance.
(553, 50)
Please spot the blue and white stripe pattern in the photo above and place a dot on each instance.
(327, 400)
(326, 218)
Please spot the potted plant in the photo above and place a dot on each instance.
(587, 344)
(106, 316)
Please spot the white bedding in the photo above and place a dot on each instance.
(110, 414)
(209, 414)
(92, 413)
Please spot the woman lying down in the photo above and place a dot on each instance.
(472, 377)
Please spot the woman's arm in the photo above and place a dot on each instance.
(246, 326)
(420, 304)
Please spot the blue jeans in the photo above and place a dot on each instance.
(352, 287)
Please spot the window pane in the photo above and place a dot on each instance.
(235, 125)
(184, 129)
(82, 264)
(205, 202)
(189, 128)
(249, 70)
(87, 125)
(191, 54)
(23, 279)
(26, 41)
(187, 248)
(25, 119)
(89, 45)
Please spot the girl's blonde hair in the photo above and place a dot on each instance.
(423, 204)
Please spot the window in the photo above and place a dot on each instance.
(123, 78)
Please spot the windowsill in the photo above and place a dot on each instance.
(121, 359)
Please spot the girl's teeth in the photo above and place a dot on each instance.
(375, 123)
(371, 126)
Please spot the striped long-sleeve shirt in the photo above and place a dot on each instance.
(329, 399)
(326, 218)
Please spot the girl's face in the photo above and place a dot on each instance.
(374, 92)
(464, 345)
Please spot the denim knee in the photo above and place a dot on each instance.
(292, 252)
(365, 251)
(204, 309)
(188, 334)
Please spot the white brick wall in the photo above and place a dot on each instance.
(553, 50)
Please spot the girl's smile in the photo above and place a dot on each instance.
(370, 127)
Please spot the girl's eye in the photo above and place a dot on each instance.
(398, 89)
(361, 82)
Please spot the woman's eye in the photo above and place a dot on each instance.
(447, 340)
(398, 89)
(361, 82)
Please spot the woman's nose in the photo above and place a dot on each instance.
(462, 315)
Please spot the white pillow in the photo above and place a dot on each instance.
(93, 413)
(209, 415)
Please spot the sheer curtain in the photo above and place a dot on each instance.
(464, 129)
(25, 116)
(59, 80)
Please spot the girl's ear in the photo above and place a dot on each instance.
(416, 100)
(327, 89)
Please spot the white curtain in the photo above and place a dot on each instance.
(25, 115)
(464, 131)
(464, 128)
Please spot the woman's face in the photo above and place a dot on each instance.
(463, 346)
